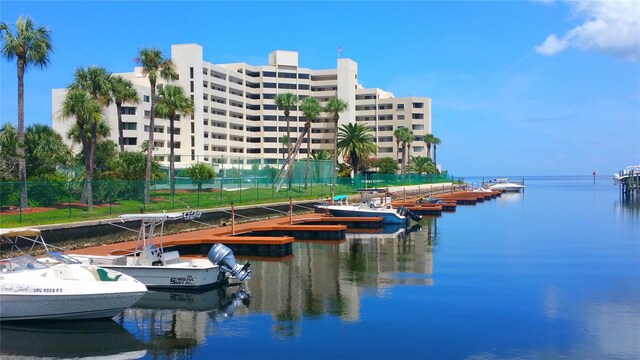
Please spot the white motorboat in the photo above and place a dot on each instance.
(503, 184)
(369, 207)
(32, 290)
(160, 269)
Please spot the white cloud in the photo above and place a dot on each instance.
(610, 26)
(552, 45)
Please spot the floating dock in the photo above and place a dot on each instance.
(275, 237)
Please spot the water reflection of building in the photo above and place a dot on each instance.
(331, 278)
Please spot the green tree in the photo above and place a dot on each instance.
(45, 151)
(387, 165)
(96, 82)
(8, 153)
(29, 46)
(284, 140)
(200, 172)
(132, 166)
(173, 102)
(86, 110)
(398, 134)
(429, 140)
(407, 139)
(435, 141)
(311, 109)
(286, 102)
(356, 142)
(421, 165)
(322, 155)
(335, 106)
(154, 65)
(122, 91)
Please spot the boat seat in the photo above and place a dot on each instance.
(103, 275)
(169, 255)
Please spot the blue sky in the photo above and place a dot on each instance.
(517, 88)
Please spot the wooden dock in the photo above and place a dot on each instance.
(274, 237)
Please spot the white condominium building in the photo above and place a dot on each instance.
(236, 121)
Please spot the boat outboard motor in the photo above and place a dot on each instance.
(403, 211)
(223, 256)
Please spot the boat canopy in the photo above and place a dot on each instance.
(372, 190)
(340, 197)
(19, 232)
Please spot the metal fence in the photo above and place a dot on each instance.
(61, 202)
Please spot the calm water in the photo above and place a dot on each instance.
(552, 273)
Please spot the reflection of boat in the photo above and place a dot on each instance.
(172, 319)
(503, 184)
(202, 301)
(389, 231)
(32, 290)
(77, 340)
(370, 207)
(158, 268)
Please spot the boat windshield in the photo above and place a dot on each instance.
(20, 263)
(58, 257)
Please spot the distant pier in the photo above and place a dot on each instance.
(628, 180)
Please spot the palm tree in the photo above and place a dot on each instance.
(435, 141)
(122, 91)
(421, 165)
(428, 140)
(173, 101)
(45, 151)
(407, 139)
(30, 46)
(8, 153)
(96, 82)
(200, 172)
(286, 102)
(311, 109)
(87, 112)
(322, 155)
(398, 135)
(153, 65)
(284, 140)
(356, 141)
(335, 106)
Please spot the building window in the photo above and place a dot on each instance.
(303, 87)
(130, 126)
(145, 98)
(417, 116)
(268, 107)
(400, 107)
(400, 117)
(418, 105)
(269, 96)
(286, 86)
(287, 75)
(268, 74)
(303, 76)
(269, 85)
(191, 72)
(128, 110)
(130, 141)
